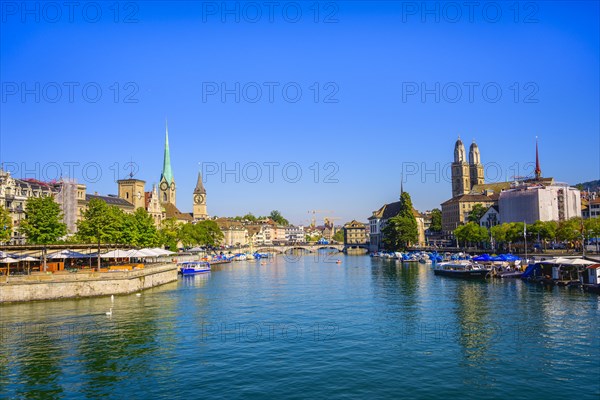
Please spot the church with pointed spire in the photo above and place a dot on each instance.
(199, 212)
(167, 188)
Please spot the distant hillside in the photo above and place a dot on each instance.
(591, 185)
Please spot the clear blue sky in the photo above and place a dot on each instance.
(370, 56)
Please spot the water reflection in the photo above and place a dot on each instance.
(397, 285)
(38, 360)
(475, 330)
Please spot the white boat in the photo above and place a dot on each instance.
(462, 269)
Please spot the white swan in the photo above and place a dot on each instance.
(138, 294)
(112, 298)
(109, 313)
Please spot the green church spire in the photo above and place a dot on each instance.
(167, 174)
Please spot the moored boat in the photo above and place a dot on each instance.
(194, 267)
(461, 269)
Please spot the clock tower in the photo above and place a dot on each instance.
(166, 186)
(200, 200)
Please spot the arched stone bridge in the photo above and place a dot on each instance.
(307, 248)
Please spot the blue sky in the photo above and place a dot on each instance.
(385, 88)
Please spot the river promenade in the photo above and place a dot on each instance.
(53, 286)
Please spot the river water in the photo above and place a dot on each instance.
(306, 327)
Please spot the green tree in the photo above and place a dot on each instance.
(569, 230)
(148, 235)
(499, 233)
(406, 207)
(310, 238)
(169, 233)
(544, 230)
(43, 223)
(436, 220)
(278, 218)
(399, 232)
(515, 232)
(476, 213)
(471, 233)
(208, 233)
(188, 235)
(101, 223)
(5, 225)
(339, 236)
(592, 227)
(138, 229)
(249, 217)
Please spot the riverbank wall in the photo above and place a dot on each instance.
(74, 285)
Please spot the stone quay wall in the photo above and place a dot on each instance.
(73, 285)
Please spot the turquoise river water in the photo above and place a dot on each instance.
(306, 327)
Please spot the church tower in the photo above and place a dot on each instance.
(200, 200)
(461, 179)
(132, 190)
(167, 182)
(475, 166)
(538, 170)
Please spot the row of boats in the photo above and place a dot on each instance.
(203, 266)
(461, 265)
(560, 271)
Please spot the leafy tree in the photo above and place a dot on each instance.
(499, 233)
(209, 233)
(278, 218)
(138, 229)
(569, 230)
(406, 207)
(310, 238)
(544, 230)
(248, 217)
(592, 227)
(101, 223)
(43, 223)
(471, 233)
(5, 225)
(476, 213)
(169, 233)
(339, 236)
(515, 232)
(401, 230)
(187, 235)
(436, 220)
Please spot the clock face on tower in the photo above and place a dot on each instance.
(199, 199)
(164, 186)
(172, 185)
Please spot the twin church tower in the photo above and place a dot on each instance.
(465, 174)
(161, 203)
